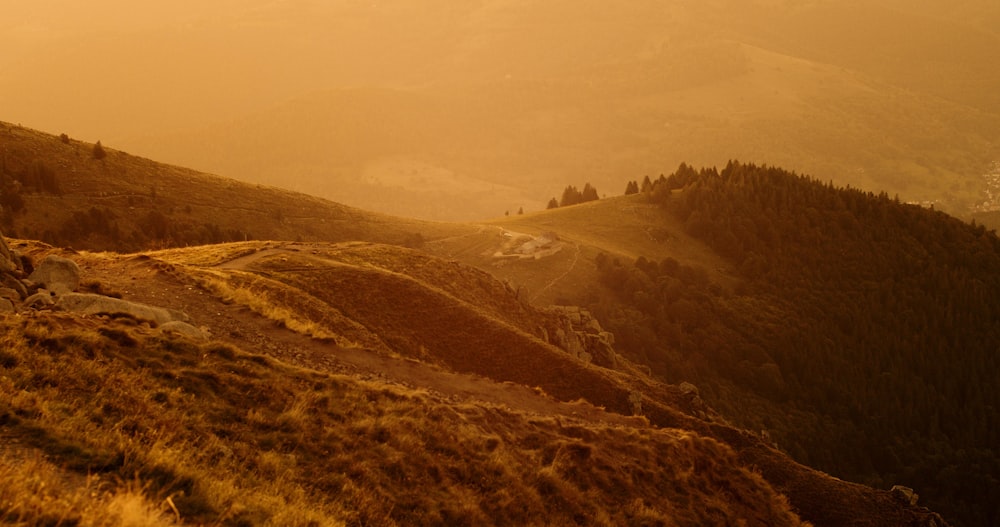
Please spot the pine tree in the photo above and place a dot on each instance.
(570, 196)
(647, 185)
(99, 152)
(553, 204)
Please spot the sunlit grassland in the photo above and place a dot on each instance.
(110, 423)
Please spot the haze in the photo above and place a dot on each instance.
(461, 111)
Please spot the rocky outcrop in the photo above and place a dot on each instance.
(57, 274)
(575, 330)
(52, 284)
(7, 260)
(91, 304)
(12, 288)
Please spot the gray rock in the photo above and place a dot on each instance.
(91, 304)
(57, 274)
(7, 263)
(10, 294)
(15, 284)
(43, 299)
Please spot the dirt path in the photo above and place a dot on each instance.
(142, 281)
(556, 280)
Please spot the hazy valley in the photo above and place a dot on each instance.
(681, 331)
(465, 112)
(330, 263)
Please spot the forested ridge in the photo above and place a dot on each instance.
(862, 336)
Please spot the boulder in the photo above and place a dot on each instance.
(7, 263)
(43, 299)
(9, 281)
(6, 306)
(57, 274)
(91, 304)
(10, 294)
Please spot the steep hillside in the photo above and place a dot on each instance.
(109, 422)
(58, 191)
(363, 384)
(858, 332)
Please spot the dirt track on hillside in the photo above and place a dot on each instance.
(147, 281)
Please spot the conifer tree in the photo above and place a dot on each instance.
(99, 152)
(571, 196)
(647, 185)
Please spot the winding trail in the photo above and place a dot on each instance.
(145, 282)
(556, 280)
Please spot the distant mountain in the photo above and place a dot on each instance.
(463, 112)
(477, 149)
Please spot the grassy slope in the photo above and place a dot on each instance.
(109, 423)
(403, 297)
(442, 298)
(129, 188)
(624, 226)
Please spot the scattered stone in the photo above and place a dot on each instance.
(11, 282)
(92, 304)
(43, 299)
(7, 263)
(57, 274)
(10, 294)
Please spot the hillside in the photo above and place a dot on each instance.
(490, 422)
(55, 190)
(856, 331)
(280, 361)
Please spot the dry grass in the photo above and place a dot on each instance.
(104, 430)
(259, 301)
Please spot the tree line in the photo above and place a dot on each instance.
(862, 334)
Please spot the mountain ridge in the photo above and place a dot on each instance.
(293, 283)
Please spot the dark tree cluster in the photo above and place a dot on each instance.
(633, 186)
(102, 228)
(39, 177)
(573, 196)
(866, 329)
(34, 177)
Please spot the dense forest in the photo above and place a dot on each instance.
(862, 335)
